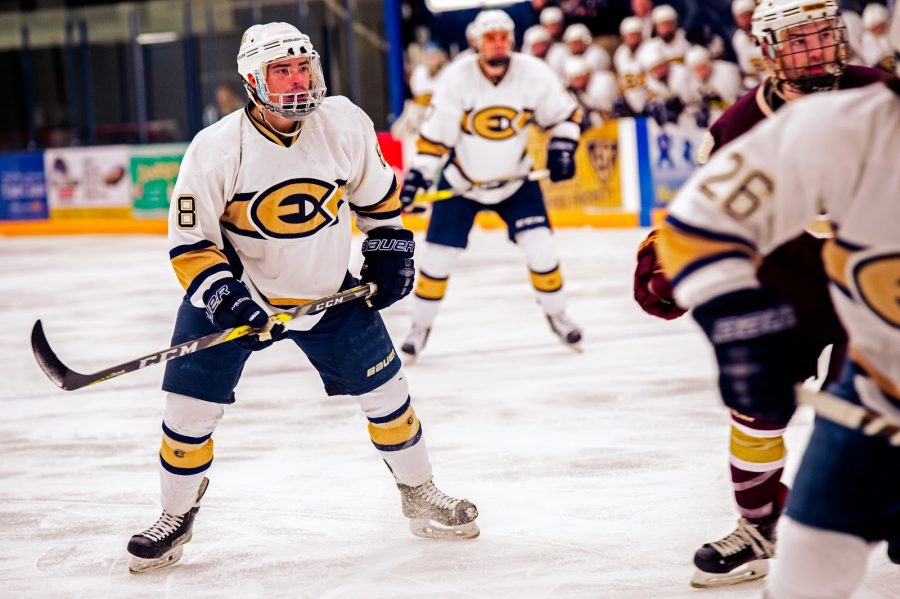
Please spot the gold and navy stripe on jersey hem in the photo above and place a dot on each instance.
(685, 249)
(430, 147)
(285, 141)
(184, 455)
(195, 262)
(386, 208)
(549, 281)
(398, 430)
(430, 288)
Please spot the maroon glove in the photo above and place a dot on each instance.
(652, 290)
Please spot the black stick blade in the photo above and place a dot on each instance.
(52, 366)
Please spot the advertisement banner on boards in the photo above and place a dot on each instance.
(23, 190)
(153, 172)
(673, 156)
(88, 182)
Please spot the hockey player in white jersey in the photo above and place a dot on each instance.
(259, 223)
(749, 53)
(708, 87)
(760, 191)
(625, 58)
(473, 142)
(579, 42)
(595, 91)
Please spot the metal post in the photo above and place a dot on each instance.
(190, 74)
(27, 89)
(392, 21)
(90, 117)
(352, 60)
(72, 82)
(140, 85)
(302, 15)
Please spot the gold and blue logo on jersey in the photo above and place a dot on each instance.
(288, 210)
(496, 122)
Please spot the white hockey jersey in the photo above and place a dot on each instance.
(274, 211)
(480, 127)
(625, 60)
(724, 82)
(596, 57)
(750, 58)
(769, 183)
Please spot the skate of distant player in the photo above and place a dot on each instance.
(476, 133)
(260, 223)
(804, 43)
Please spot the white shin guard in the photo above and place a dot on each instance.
(410, 465)
(436, 261)
(191, 418)
(540, 255)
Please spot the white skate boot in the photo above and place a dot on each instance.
(434, 515)
(567, 331)
(415, 342)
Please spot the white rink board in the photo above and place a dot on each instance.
(596, 475)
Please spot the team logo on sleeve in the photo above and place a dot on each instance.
(296, 208)
(496, 122)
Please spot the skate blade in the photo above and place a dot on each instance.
(747, 573)
(140, 565)
(429, 529)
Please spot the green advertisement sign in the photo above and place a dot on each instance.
(153, 173)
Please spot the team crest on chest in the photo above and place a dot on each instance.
(296, 208)
(495, 122)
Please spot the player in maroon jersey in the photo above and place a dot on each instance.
(804, 44)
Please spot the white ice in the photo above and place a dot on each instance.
(596, 475)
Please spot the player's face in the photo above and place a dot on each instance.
(495, 45)
(807, 49)
(579, 82)
(540, 49)
(289, 76)
(641, 8)
(660, 71)
(666, 30)
(577, 47)
(744, 20)
(703, 71)
(633, 40)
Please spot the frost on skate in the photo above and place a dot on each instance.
(435, 515)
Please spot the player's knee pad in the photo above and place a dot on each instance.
(188, 424)
(757, 451)
(393, 424)
(815, 563)
(539, 249)
(435, 265)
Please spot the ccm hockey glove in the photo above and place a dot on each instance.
(752, 332)
(652, 290)
(561, 158)
(388, 263)
(228, 305)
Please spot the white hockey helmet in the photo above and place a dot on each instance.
(741, 6)
(663, 13)
(577, 32)
(630, 25)
(552, 15)
(489, 21)
(652, 55)
(536, 34)
(576, 66)
(262, 45)
(874, 14)
(696, 56)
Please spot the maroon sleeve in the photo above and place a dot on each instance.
(737, 120)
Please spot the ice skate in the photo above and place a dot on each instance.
(742, 556)
(415, 342)
(434, 515)
(162, 544)
(567, 331)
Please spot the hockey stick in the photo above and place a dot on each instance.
(68, 379)
(444, 194)
(849, 415)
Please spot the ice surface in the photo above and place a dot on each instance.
(596, 475)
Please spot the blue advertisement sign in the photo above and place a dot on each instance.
(23, 188)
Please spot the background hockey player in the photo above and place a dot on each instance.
(477, 129)
(260, 222)
(804, 46)
(757, 193)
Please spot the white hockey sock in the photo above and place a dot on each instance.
(546, 278)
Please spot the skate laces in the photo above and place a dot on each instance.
(166, 525)
(434, 496)
(745, 535)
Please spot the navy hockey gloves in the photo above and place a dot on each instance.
(412, 183)
(561, 158)
(752, 331)
(389, 264)
(228, 305)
